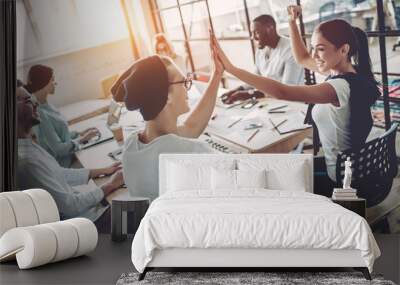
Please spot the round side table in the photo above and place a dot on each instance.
(121, 206)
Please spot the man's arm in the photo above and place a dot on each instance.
(71, 200)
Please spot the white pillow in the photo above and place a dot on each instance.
(181, 177)
(289, 177)
(223, 179)
(281, 174)
(251, 178)
(194, 172)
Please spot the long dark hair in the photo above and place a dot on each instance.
(339, 32)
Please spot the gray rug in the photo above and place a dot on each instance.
(243, 278)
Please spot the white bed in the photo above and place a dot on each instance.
(202, 220)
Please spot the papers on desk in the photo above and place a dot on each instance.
(289, 123)
(238, 126)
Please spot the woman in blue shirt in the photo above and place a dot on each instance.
(53, 133)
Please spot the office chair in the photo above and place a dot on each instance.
(396, 9)
(327, 11)
(374, 166)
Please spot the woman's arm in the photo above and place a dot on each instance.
(198, 120)
(299, 49)
(319, 94)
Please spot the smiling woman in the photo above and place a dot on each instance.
(342, 113)
(157, 88)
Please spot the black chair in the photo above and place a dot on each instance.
(373, 166)
(397, 19)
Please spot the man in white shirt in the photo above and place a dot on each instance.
(273, 59)
(69, 187)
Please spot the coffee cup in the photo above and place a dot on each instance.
(117, 132)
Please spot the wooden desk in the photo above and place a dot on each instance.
(267, 140)
(84, 110)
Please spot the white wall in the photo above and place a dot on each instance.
(84, 41)
(78, 74)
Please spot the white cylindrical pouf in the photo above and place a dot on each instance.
(45, 205)
(67, 239)
(87, 234)
(7, 217)
(23, 207)
(34, 246)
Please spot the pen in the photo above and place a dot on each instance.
(253, 135)
(234, 123)
(278, 107)
(240, 103)
(276, 126)
(276, 112)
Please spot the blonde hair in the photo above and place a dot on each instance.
(170, 48)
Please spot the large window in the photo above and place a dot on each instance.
(231, 21)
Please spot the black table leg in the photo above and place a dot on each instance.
(116, 223)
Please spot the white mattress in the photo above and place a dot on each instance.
(250, 219)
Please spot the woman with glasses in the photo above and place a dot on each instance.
(157, 88)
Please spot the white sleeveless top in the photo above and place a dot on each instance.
(140, 161)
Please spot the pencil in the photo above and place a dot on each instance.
(234, 123)
(276, 126)
(253, 135)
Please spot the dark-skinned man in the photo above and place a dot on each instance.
(273, 59)
(69, 187)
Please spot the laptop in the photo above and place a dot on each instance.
(114, 113)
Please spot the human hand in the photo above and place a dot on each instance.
(236, 96)
(219, 53)
(112, 168)
(89, 135)
(115, 182)
(86, 131)
(294, 12)
(95, 173)
(217, 64)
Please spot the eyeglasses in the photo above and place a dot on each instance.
(187, 82)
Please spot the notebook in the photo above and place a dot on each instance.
(114, 114)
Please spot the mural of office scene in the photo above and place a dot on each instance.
(79, 118)
(141, 116)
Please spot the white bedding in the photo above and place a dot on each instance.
(252, 218)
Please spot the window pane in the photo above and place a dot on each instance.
(166, 3)
(228, 18)
(196, 20)
(172, 24)
(361, 15)
(202, 57)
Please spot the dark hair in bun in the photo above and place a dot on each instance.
(144, 87)
(38, 77)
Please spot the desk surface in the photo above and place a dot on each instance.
(266, 140)
(83, 110)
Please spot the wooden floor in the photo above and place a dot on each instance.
(110, 260)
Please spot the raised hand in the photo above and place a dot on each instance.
(218, 66)
(228, 66)
(294, 12)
